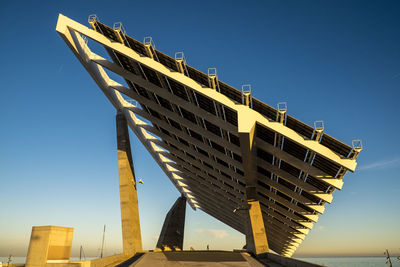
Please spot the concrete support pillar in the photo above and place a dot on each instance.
(131, 236)
(174, 226)
(49, 244)
(256, 237)
(249, 162)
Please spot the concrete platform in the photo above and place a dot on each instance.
(196, 258)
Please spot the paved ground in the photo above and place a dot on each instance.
(195, 258)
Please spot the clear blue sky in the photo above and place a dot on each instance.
(337, 61)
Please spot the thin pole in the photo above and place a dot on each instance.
(102, 243)
(82, 254)
(388, 261)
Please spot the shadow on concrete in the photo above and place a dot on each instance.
(206, 256)
(131, 260)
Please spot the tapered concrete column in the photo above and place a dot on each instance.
(256, 237)
(174, 226)
(131, 237)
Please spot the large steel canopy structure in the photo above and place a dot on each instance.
(218, 145)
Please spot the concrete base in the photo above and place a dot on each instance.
(49, 244)
(187, 258)
(213, 258)
(197, 258)
(268, 258)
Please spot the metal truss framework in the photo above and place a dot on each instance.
(190, 123)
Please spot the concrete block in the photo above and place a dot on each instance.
(49, 243)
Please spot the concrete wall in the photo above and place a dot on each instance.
(101, 262)
(289, 262)
(69, 264)
(110, 261)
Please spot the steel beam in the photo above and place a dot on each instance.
(79, 47)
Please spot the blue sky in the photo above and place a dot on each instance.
(337, 61)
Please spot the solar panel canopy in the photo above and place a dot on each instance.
(190, 123)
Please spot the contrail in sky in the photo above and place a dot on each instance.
(395, 76)
(380, 164)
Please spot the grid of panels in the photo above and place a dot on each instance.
(207, 153)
